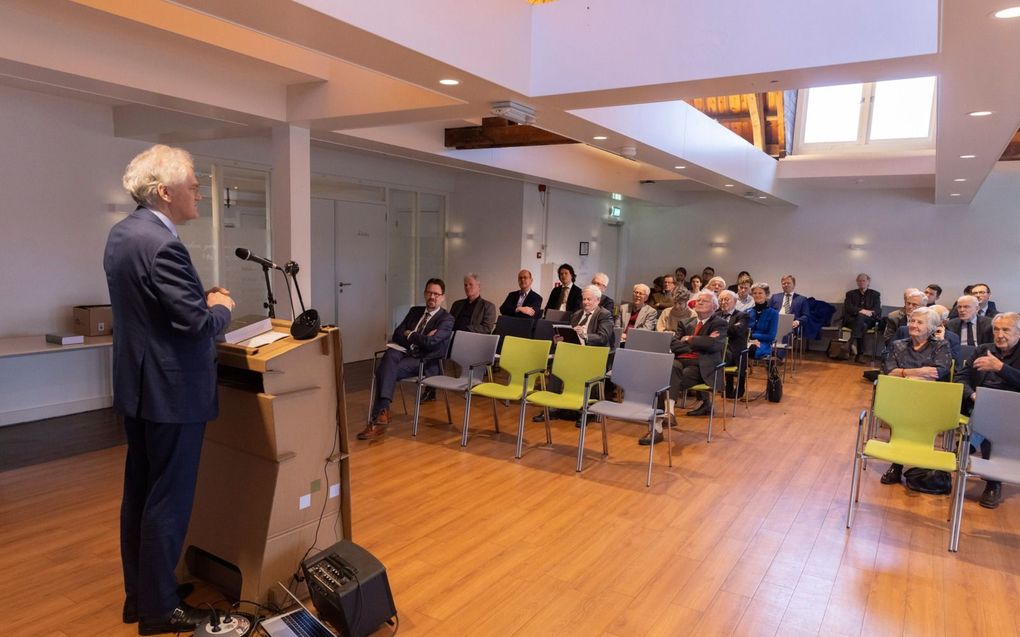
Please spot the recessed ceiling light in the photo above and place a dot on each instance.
(960, 179)
(599, 137)
(1011, 12)
(762, 197)
(967, 156)
(449, 81)
(727, 185)
(979, 113)
(680, 167)
(954, 194)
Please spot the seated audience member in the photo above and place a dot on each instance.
(717, 284)
(525, 302)
(694, 284)
(473, 313)
(743, 274)
(637, 314)
(789, 302)
(424, 333)
(932, 294)
(983, 293)
(912, 299)
(664, 299)
(941, 333)
(996, 365)
(763, 322)
(737, 333)
(707, 273)
(862, 309)
(601, 281)
(565, 296)
(966, 292)
(920, 357)
(744, 299)
(669, 319)
(680, 277)
(972, 329)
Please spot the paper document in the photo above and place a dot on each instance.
(264, 339)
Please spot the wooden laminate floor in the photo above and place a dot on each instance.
(743, 536)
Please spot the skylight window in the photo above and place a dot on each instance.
(893, 113)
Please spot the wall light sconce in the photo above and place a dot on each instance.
(531, 236)
(856, 246)
(719, 244)
(455, 235)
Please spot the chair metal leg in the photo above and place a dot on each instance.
(957, 511)
(446, 399)
(417, 407)
(520, 430)
(651, 449)
(403, 403)
(855, 483)
(548, 428)
(495, 415)
(467, 416)
(580, 440)
(605, 438)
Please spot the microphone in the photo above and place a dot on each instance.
(247, 255)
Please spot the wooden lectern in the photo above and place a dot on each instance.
(274, 475)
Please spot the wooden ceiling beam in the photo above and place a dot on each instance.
(756, 110)
(498, 132)
(1012, 152)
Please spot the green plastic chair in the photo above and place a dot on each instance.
(916, 412)
(579, 367)
(523, 359)
(712, 389)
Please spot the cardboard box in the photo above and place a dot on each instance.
(93, 320)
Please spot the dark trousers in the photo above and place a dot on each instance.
(393, 366)
(859, 325)
(159, 488)
(686, 374)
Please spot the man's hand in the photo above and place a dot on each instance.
(582, 331)
(866, 312)
(713, 334)
(796, 323)
(219, 296)
(987, 363)
(524, 309)
(927, 373)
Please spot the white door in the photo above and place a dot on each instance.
(349, 273)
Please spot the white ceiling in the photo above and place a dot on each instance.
(366, 75)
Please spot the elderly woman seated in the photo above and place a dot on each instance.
(921, 356)
(763, 322)
(679, 312)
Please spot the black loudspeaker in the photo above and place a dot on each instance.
(349, 588)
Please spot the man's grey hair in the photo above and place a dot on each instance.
(472, 275)
(968, 299)
(931, 316)
(728, 294)
(716, 278)
(594, 289)
(160, 164)
(601, 275)
(711, 295)
(644, 288)
(1007, 317)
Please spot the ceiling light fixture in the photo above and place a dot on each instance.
(967, 156)
(680, 167)
(449, 81)
(1011, 12)
(762, 197)
(954, 194)
(727, 185)
(600, 138)
(980, 113)
(960, 179)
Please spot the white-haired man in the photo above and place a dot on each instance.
(637, 315)
(601, 281)
(912, 299)
(972, 329)
(716, 284)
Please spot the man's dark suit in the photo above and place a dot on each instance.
(607, 303)
(164, 383)
(738, 331)
(856, 301)
(573, 298)
(420, 345)
(982, 335)
(600, 326)
(798, 305)
(1008, 377)
(483, 318)
(532, 300)
(708, 348)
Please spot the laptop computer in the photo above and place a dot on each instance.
(299, 622)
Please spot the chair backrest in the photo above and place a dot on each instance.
(640, 373)
(522, 355)
(617, 333)
(917, 410)
(513, 326)
(470, 348)
(995, 416)
(785, 326)
(649, 341)
(574, 364)
(544, 329)
(557, 316)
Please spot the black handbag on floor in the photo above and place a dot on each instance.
(774, 385)
(930, 481)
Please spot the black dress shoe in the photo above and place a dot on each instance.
(540, 416)
(428, 394)
(893, 475)
(646, 440)
(992, 495)
(182, 619)
(704, 410)
(130, 613)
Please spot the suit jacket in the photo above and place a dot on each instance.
(983, 334)
(737, 330)
(483, 318)
(600, 327)
(763, 329)
(893, 323)
(872, 301)
(573, 298)
(164, 353)
(532, 300)
(708, 348)
(990, 311)
(608, 303)
(645, 318)
(971, 378)
(422, 344)
(798, 305)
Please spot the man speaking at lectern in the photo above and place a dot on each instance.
(164, 380)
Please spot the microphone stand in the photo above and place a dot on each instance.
(270, 301)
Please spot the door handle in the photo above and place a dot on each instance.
(342, 285)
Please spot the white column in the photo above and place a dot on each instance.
(290, 201)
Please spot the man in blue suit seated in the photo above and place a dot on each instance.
(423, 334)
(789, 302)
(164, 380)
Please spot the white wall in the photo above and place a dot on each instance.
(908, 241)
